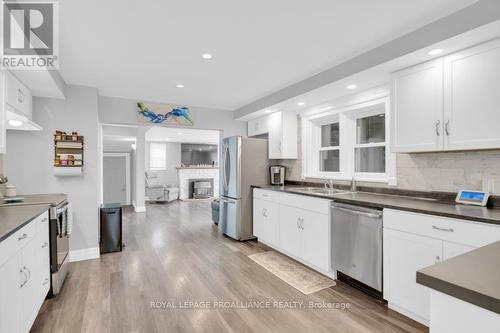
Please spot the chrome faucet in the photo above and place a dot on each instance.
(354, 187)
(329, 184)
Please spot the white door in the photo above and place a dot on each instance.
(11, 278)
(472, 98)
(266, 221)
(115, 179)
(315, 239)
(289, 230)
(404, 255)
(417, 108)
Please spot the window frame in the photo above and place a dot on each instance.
(164, 166)
(346, 117)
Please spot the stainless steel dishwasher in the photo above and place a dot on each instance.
(357, 246)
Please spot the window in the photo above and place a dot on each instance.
(369, 150)
(349, 143)
(329, 152)
(157, 156)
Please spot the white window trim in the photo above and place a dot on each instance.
(347, 118)
(159, 168)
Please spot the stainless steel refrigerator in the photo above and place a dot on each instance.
(244, 162)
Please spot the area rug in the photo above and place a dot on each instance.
(301, 278)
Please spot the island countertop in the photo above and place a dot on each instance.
(13, 218)
(473, 277)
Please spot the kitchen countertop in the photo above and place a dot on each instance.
(473, 277)
(14, 218)
(406, 203)
(52, 199)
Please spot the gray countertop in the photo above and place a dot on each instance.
(14, 218)
(412, 204)
(38, 199)
(473, 277)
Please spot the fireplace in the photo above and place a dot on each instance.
(201, 188)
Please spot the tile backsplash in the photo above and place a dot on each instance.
(442, 171)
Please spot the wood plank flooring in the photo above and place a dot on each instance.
(174, 254)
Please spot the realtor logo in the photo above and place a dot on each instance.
(29, 35)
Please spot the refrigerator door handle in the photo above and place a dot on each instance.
(227, 166)
(227, 200)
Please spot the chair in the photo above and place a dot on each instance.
(158, 192)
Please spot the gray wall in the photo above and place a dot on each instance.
(30, 156)
(114, 110)
(168, 176)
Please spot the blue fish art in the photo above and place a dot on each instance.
(178, 115)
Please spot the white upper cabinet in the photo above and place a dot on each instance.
(448, 104)
(417, 108)
(281, 128)
(17, 96)
(472, 98)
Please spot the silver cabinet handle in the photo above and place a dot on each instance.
(29, 274)
(264, 195)
(301, 223)
(25, 277)
(447, 127)
(20, 96)
(264, 212)
(442, 229)
(438, 122)
(438, 259)
(44, 245)
(22, 237)
(45, 281)
(298, 223)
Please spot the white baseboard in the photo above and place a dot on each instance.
(139, 209)
(84, 254)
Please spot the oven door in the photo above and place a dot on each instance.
(59, 242)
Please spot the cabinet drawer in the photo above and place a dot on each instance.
(453, 230)
(9, 246)
(304, 202)
(273, 196)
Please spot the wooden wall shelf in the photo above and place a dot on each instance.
(65, 157)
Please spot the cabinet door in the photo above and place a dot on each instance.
(11, 278)
(257, 126)
(472, 97)
(275, 135)
(417, 108)
(404, 255)
(289, 136)
(316, 239)
(30, 292)
(266, 221)
(17, 95)
(289, 230)
(451, 250)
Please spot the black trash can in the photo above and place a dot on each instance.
(111, 228)
(215, 211)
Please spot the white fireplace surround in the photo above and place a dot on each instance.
(185, 174)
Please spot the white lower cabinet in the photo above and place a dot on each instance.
(413, 241)
(266, 221)
(24, 276)
(296, 225)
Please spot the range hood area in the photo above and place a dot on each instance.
(20, 122)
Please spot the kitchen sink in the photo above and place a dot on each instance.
(317, 190)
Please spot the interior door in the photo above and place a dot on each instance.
(115, 180)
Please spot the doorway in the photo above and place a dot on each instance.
(116, 178)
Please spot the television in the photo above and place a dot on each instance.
(199, 154)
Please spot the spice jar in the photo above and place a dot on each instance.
(58, 135)
(74, 136)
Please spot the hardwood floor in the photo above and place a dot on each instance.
(175, 254)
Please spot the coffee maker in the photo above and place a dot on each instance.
(277, 173)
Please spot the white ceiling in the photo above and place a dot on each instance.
(141, 49)
(165, 134)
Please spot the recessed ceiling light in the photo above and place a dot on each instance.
(301, 103)
(15, 123)
(179, 133)
(435, 52)
(269, 111)
(180, 86)
(352, 86)
(206, 56)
